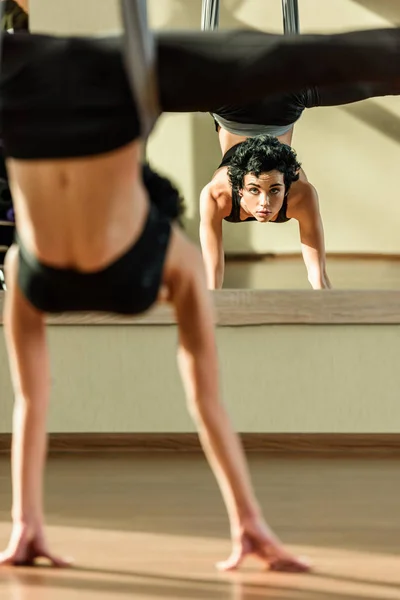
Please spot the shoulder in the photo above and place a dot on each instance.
(216, 198)
(302, 200)
(183, 262)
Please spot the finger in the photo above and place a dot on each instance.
(279, 559)
(234, 561)
(59, 562)
(56, 561)
(6, 559)
(290, 565)
(12, 559)
(18, 553)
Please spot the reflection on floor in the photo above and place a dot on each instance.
(152, 527)
(290, 273)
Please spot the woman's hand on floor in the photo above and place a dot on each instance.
(28, 543)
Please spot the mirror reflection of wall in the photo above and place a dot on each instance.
(75, 17)
(350, 153)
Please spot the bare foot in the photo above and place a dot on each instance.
(256, 539)
(26, 545)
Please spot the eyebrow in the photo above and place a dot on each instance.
(272, 184)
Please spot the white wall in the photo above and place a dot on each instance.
(293, 378)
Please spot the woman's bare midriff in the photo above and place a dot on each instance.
(79, 213)
(227, 140)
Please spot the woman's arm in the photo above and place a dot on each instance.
(306, 210)
(211, 240)
(25, 334)
(198, 362)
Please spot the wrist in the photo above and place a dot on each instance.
(320, 282)
(29, 520)
(214, 282)
(243, 514)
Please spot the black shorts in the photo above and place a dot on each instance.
(286, 109)
(64, 97)
(130, 285)
(279, 110)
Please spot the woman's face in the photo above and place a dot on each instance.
(263, 196)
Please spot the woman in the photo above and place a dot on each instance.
(273, 116)
(94, 233)
(258, 180)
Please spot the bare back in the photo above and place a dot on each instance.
(79, 213)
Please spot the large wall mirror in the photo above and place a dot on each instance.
(349, 153)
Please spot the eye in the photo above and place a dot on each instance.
(275, 191)
(254, 190)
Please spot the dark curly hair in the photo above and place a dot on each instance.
(262, 154)
(163, 194)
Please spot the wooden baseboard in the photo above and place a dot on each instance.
(244, 307)
(255, 257)
(318, 444)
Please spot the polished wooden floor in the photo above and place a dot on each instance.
(152, 526)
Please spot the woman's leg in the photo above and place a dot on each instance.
(348, 94)
(201, 72)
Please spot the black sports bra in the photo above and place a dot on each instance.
(234, 215)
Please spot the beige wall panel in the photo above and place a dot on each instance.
(278, 378)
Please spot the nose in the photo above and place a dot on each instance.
(264, 200)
